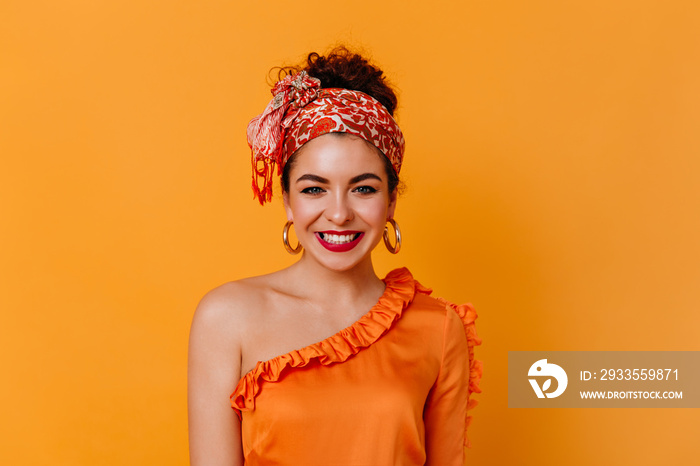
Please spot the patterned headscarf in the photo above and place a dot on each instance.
(301, 111)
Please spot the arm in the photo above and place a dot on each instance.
(445, 410)
(214, 365)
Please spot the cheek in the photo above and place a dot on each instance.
(303, 212)
(375, 212)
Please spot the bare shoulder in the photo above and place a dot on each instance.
(232, 323)
(228, 308)
(220, 321)
(236, 306)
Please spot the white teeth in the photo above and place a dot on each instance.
(337, 239)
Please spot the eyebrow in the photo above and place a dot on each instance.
(365, 176)
(310, 177)
(353, 180)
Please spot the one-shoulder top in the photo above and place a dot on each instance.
(391, 389)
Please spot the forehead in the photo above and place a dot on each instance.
(338, 154)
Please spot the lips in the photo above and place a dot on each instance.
(339, 241)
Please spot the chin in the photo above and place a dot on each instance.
(339, 262)
(339, 265)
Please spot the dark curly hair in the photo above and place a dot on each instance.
(342, 68)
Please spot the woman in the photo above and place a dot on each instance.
(323, 362)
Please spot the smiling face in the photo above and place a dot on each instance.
(339, 200)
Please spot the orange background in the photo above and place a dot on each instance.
(552, 171)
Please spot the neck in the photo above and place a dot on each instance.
(321, 284)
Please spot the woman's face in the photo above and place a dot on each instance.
(338, 200)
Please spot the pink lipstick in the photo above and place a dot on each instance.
(339, 241)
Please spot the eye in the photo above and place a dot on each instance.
(365, 190)
(313, 190)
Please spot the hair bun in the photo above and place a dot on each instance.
(348, 70)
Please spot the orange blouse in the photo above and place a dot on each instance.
(391, 389)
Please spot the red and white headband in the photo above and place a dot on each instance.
(300, 111)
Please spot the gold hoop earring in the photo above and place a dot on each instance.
(397, 244)
(285, 240)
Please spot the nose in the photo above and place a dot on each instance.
(339, 210)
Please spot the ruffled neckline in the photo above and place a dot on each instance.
(398, 294)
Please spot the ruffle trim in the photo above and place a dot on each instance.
(468, 315)
(398, 294)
